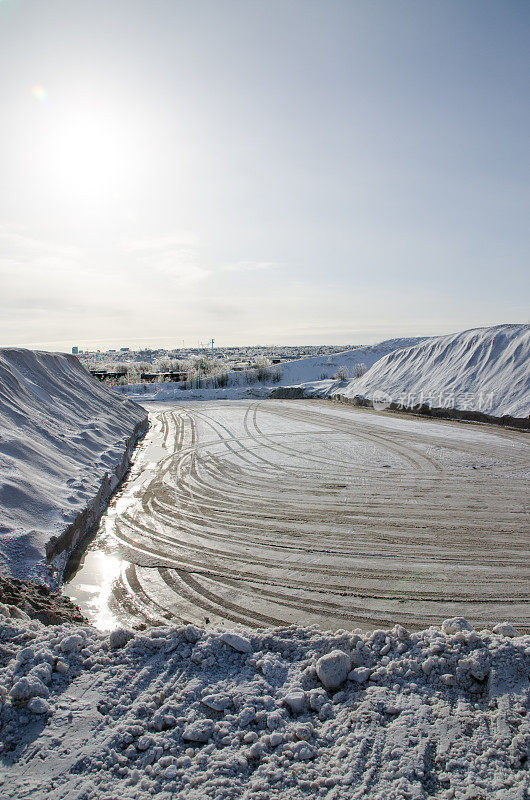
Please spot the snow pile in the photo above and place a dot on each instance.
(285, 713)
(485, 369)
(311, 369)
(65, 443)
(303, 370)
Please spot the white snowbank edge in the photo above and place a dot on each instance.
(59, 549)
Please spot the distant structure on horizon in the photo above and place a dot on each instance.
(75, 350)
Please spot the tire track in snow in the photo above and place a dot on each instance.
(281, 512)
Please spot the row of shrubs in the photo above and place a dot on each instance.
(346, 374)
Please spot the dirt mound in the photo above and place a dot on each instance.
(24, 599)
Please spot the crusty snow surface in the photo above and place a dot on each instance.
(184, 712)
(292, 372)
(60, 433)
(485, 369)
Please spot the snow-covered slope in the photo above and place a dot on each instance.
(65, 441)
(485, 369)
(316, 367)
(303, 370)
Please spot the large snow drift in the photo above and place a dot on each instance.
(284, 714)
(485, 369)
(303, 370)
(314, 367)
(65, 442)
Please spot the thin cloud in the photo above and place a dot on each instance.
(161, 243)
(252, 266)
(174, 258)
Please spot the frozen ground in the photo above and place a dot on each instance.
(65, 441)
(292, 713)
(485, 369)
(280, 512)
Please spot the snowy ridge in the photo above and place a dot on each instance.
(281, 714)
(303, 370)
(310, 369)
(484, 369)
(64, 445)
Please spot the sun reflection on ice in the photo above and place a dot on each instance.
(91, 588)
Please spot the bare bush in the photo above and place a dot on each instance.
(262, 365)
(359, 370)
(342, 374)
(221, 380)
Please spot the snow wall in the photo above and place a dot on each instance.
(65, 444)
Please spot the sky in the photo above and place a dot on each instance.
(261, 171)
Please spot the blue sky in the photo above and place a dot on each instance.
(261, 171)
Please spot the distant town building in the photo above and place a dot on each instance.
(75, 351)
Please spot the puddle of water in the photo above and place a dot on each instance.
(99, 568)
(91, 588)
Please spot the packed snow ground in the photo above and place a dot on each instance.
(285, 713)
(292, 372)
(64, 438)
(485, 369)
(281, 512)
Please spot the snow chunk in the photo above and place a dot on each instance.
(429, 664)
(38, 706)
(217, 702)
(72, 644)
(17, 613)
(302, 751)
(303, 731)
(236, 642)
(455, 625)
(296, 700)
(256, 751)
(119, 638)
(333, 668)
(170, 772)
(360, 675)
(505, 629)
(28, 687)
(144, 742)
(199, 731)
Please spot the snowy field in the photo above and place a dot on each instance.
(304, 512)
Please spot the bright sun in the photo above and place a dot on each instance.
(89, 155)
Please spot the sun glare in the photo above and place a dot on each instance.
(39, 93)
(89, 154)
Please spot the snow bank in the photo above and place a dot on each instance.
(313, 368)
(285, 713)
(303, 370)
(485, 369)
(65, 443)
